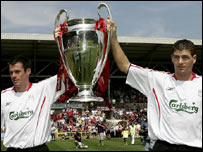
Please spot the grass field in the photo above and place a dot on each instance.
(114, 144)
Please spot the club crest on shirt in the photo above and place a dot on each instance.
(31, 98)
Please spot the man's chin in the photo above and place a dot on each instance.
(16, 85)
(181, 71)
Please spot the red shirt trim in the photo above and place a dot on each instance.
(30, 85)
(157, 102)
(41, 109)
(193, 76)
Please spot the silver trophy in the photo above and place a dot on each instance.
(83, 53)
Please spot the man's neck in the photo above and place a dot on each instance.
(23, 88)
(184, 77)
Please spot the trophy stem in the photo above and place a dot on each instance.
(85, 94)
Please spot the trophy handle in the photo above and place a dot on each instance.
(108, 40)
(57, 23)
(103, 5)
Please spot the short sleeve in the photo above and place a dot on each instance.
(138, 78)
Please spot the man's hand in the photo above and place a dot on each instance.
(111, 26)
(57, 31)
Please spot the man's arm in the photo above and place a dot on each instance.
(118, 54)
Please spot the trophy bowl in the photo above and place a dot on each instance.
(84, 51)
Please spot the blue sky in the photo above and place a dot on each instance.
(168, 19)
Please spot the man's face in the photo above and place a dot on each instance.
(183, 61)
(18, 76)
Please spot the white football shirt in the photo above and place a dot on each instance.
(26, 115)
(174, 107)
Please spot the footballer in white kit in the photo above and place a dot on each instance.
(26, 115)
(174, 107)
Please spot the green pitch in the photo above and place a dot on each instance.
(114, 144)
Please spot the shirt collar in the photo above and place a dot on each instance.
(30, 85)
(193, 76)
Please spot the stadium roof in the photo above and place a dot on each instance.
(43, 52)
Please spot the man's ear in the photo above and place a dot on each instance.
(194, 58)
(28, 71)
(171, 58)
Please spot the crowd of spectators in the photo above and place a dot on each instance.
(71, 120)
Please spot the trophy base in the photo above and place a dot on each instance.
(86, 99)
(85, 95)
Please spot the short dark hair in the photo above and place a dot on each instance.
(19, 58)
(184, 44)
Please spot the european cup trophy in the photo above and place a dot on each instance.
(84, 48)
